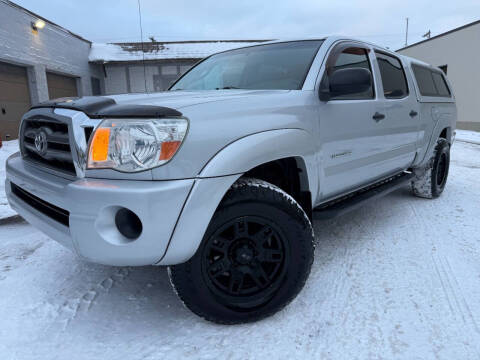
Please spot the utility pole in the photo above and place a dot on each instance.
(406, 35)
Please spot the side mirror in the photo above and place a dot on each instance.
(346, 82)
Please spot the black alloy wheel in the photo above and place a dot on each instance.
(243, 261)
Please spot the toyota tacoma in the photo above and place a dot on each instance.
(220, 177)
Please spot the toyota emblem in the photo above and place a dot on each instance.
(41, 142)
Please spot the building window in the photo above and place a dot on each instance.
(96, 89)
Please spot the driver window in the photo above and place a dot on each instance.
(349, 57)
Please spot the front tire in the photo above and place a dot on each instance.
(431, 182)
(254, 259)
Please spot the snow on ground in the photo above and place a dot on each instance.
(468, 136)
(8, 148)
(398, 279)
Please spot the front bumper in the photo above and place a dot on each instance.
(92, 205)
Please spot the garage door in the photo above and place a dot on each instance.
(60, 86)
(14, 99)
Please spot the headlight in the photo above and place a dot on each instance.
(133, 145)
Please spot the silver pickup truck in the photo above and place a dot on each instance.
(220, 177)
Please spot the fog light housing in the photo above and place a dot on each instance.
(128, 223)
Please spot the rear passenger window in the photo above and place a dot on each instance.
(440, 84)
(430, 83)
(424, 81)
(393, 77)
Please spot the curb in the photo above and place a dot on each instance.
(14, 219)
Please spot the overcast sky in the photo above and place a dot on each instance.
(378, 21)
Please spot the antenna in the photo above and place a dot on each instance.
(143, 50)
(406, 33)
(427, 35)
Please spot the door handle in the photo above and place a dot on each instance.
(377, 116)
(413, 113)
(3, 111)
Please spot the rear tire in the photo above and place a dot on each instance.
(431, 182)
(254, 258)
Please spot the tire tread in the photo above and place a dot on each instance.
(422, 185)
(244, 188)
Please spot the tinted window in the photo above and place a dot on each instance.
(351, 57)
(272, 66)
(393, 77)
(440, 84)
(429, 82)
(424, 81)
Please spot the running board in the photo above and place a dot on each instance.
(351, 202)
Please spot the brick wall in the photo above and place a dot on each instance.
(52, 49)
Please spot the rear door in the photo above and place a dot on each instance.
(351, 137)
(401, 123)
(14, 99)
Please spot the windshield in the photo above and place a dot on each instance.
(281, 66)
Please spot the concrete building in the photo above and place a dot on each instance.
(457, 53)
(40, 60)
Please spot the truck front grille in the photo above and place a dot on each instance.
(54, 212)
(46, 141)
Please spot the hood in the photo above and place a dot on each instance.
(183, 98)
(158, 105)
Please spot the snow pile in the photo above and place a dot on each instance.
(8, 148)
(180, 50)
(468, 136)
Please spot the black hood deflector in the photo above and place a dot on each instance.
(103, 107)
